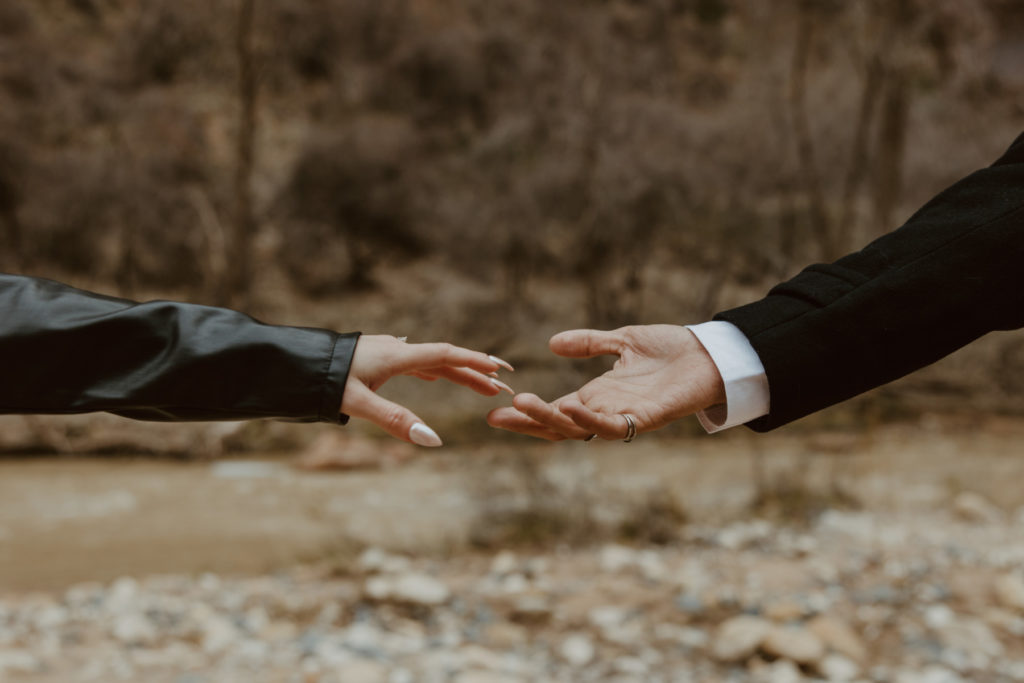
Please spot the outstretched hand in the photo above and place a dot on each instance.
(662, 374)
(378, 358)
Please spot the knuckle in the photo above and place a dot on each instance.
(394, 419)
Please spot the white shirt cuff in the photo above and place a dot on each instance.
(746, 385)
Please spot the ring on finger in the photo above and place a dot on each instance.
(630, 427)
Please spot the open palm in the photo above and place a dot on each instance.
(661, 375)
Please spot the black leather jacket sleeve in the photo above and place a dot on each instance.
(65, 350)
(951, 274)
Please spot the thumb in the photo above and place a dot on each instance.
(586, 343)
(396, 420)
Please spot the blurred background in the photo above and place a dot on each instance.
(490, 172)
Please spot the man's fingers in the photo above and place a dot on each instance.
(586, 343)
(396, 420)
(515, 421)
(606, 426)
(548, 415)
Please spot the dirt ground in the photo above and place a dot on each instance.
(68, 520)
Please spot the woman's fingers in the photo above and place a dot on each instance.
(482, 384)
(586, 343)
(441, 354)
(515, 421)
(396, 420)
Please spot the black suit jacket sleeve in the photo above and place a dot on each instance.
(65, 350)
(952, 273)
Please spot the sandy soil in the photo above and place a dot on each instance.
(67, 520)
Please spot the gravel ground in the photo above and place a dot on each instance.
(856, 595)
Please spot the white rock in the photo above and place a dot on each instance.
(413, 588)
(363, 637)
(739, 535)
(122, 594)
(134, 629)
(476, 676)
(362, 670)
(378, 560)
(739, 637)
(577, 650)
(796, 644)
(973, 637)
(504, 562)
(630, 666)
(218, 634)
(972, 507)
(932, 674)
(652, 566)
(420, 589)
(859, 526)
(687, 636)
(615, 558)
(514, 583)
(838, 668)
(782, 671)
(838, 636)
(402, 676)
(608, 616)
(1009, 590)
(937, 616)
(19, 662)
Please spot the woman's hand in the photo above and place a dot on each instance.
(662, 374)
(378, 358)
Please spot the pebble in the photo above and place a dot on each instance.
(1009, 591)
(972, 507)
(363, 670)
(134, 629)
(784, 610)
(577, 650)
(411, 588)
(781, 671)
(504, 562)
(19, 662)
(839, 637)
(739, 637)
(838, 668)
(794, 643)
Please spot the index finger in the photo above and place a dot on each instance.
(442, 354)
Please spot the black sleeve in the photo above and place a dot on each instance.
(952, 273)
(65, 350)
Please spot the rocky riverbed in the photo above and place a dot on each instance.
(854, 596)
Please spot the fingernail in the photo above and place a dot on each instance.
(423, 435)
(501, 385)
(502, 363)
(492, 374)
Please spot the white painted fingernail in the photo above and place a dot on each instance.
(503, 363)
(501, 385)
(423, 435)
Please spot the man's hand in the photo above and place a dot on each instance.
(662, 374)
(378, 358)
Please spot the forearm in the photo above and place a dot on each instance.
(70, 351)
(951, 274)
